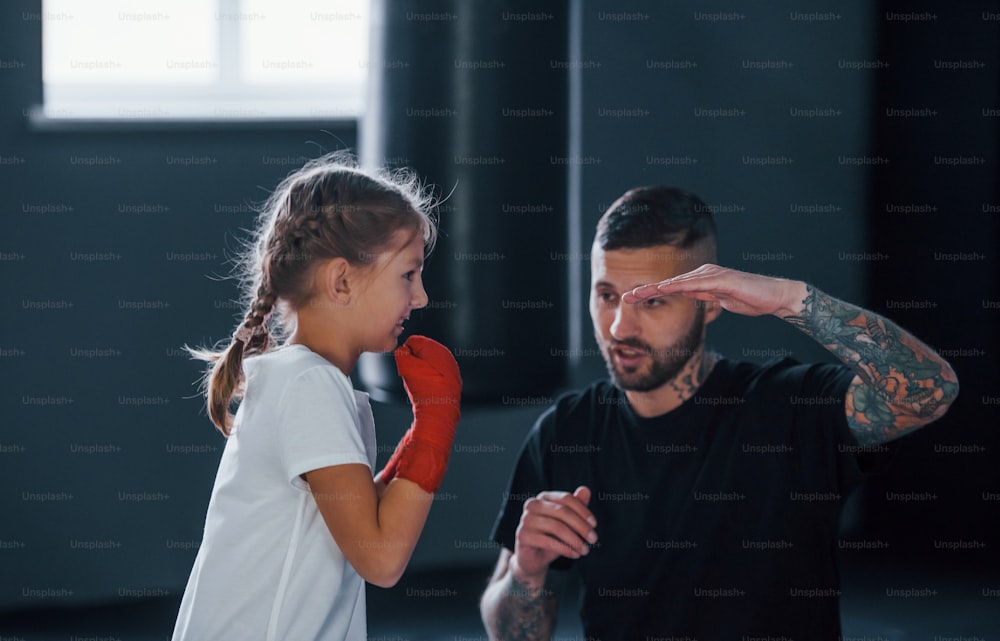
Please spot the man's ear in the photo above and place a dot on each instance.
(712, 310)
(336, 280)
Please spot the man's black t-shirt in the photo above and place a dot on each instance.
(717, 520)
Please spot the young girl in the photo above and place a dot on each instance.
(296, 522)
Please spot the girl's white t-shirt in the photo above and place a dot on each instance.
(268, 567)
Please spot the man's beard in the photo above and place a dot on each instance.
(666, 363)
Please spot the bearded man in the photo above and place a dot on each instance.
(699, 497)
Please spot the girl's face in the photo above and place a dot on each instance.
(394, 290)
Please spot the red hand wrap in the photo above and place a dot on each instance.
(433, 383)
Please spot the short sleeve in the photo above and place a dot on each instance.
(526, 481)
(821, 429)
(318, 424)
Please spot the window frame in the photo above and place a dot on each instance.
(226, 101)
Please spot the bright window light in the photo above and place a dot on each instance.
(212, 59)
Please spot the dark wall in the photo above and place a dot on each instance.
(112, 243)
(113, 237)
(934, 217)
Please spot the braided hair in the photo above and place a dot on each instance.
(330, 208)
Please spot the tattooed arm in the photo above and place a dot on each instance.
(519, 603)
(901, 383)
(515, 610)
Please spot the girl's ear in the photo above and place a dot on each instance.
(335, 280)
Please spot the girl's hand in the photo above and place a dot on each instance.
(434, 385)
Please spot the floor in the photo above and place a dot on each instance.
(420, 608)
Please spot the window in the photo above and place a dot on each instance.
(221, 59)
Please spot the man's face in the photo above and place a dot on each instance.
(644, 344)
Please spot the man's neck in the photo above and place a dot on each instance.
(677, 390)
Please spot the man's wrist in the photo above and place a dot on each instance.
(526, 585)
(795, 292)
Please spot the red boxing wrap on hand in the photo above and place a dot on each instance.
(433, 383)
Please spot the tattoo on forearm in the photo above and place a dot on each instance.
(524, 614)
(905, 383)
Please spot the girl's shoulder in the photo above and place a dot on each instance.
(294, 364)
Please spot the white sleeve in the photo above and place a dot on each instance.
(318, 424)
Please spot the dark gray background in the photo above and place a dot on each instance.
(141, 494)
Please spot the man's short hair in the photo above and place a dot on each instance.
(655, 216)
